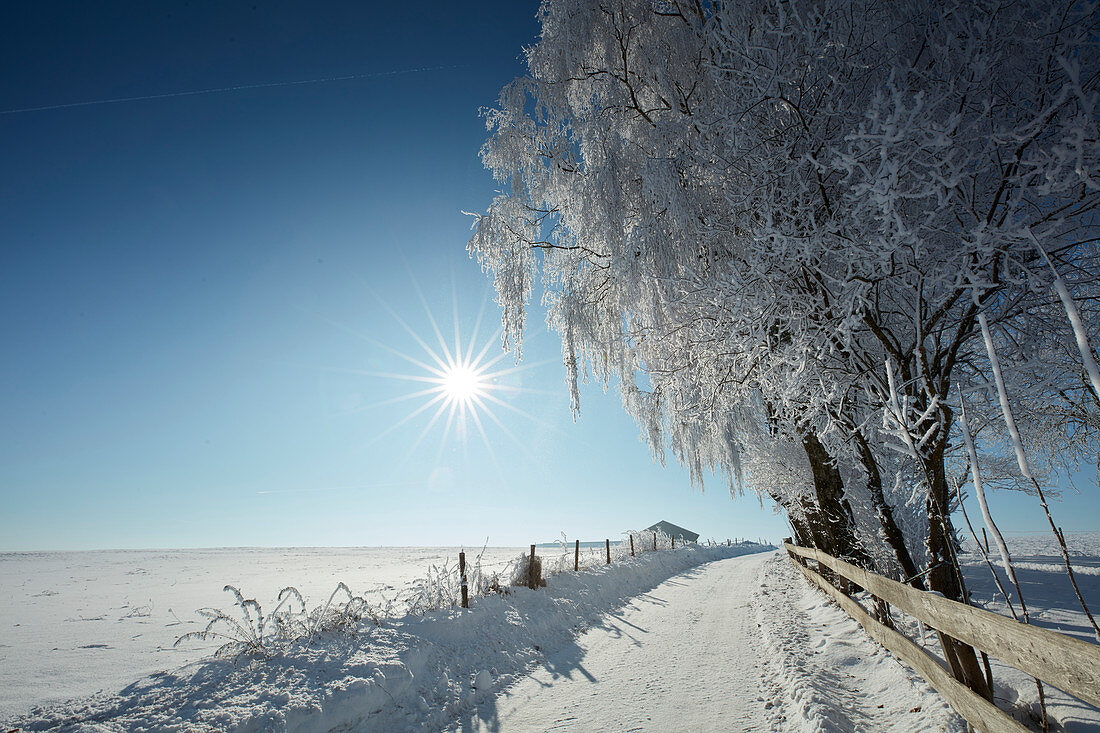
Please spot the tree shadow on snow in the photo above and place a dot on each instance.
(565, 661)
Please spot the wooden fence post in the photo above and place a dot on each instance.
(531, 583)
(607, 544)
(674, 543)
(577, 556)
(632, 544)
(462, 573)
(882, 613)
(655, 542)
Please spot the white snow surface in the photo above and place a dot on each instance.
(709, 635)
(741, 644)
(76, 623)
(410, 673)
(696, 638)
(1051, 603)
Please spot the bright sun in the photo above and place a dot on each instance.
(461, 383)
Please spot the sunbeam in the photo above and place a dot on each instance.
(458, 379)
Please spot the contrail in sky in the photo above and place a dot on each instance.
(220, 90)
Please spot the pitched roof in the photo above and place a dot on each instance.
(674, 531)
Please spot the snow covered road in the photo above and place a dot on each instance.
(741, 644)
(661, 663)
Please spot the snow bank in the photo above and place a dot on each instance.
(412, 673)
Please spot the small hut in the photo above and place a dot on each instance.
(676, 533)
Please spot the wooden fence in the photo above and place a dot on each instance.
(1069, 664)
(534, 581)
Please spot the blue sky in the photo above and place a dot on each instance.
(199, 292)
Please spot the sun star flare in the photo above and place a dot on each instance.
(461, 383)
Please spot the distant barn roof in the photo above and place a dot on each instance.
(673, 531)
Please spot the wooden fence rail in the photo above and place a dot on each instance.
(1069, 664)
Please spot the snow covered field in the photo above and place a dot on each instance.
(1042, 574)
(410, 673)
(1051, 604)
(75, 623)
(694, 636)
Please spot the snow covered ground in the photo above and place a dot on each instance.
(75, 623)
(410, 673)
(1042, 573)
(741, 644)
(695, 638)
(1051, 604)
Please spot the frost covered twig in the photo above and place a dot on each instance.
(1008, 602)
(1079, 332)
(1002, 547)
(979, 492)
(1025, 467)
(898, 414)
(985, 555)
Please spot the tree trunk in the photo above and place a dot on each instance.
(831, 521)
(799, 529)
(885, 512)
(945, 575)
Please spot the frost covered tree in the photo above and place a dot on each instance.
(971, 163)
(776, 225)
(616, 151)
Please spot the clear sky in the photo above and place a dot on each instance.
(201, 295)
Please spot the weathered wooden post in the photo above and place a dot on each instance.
(655, 542)
(882, 613)
(607, 544)
(462, 574)
(632, 544)
(674, 543)
(728, 543)
(531, 581)
(577, 556)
